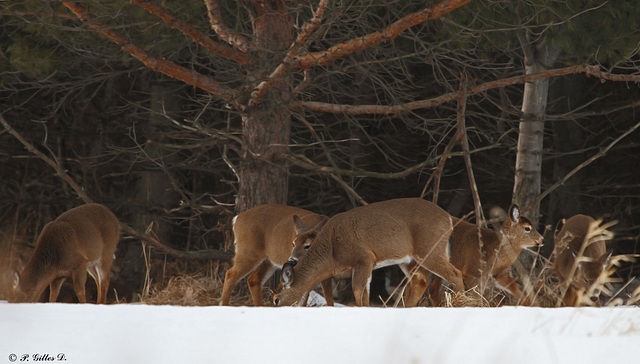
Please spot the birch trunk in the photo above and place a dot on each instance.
(531, 131)
(526, 186)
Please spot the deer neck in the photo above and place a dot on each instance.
(34, 280)
(314, 267)
(509, 250)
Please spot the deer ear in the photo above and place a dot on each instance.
(321, 224)
(287, 275)
(559, 226)
(604, 258)
(514, 213)
(299, 225)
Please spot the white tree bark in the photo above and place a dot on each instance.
(526, 186)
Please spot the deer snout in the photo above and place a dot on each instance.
(539, 241)
(292, 262)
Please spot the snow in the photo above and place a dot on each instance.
(136, 333)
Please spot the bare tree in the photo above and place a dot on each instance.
(268, 53)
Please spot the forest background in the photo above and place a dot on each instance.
(177, 115)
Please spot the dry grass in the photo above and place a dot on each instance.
(184, 291)
(602, 291)
(469, 298)
(205, 290)
(543, 289)
(13, 255)
(6, 273)
(194, 290)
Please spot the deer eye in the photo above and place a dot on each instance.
(307, 246)
(527, 229)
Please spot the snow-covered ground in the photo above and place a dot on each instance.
(134, 333)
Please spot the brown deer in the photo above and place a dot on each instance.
(481, 252)
(305, 235)
(578, 259)
(408, 231)
(264, 241)
(80, 241)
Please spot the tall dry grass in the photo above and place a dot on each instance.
(14, 253)
(542, 288)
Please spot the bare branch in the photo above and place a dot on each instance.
(217, 25)
(170, 69)
(582, 165)
(193, 33)
(372, 39)
(201, 254)
(305, 163)
(51, 162)
(436, 101)
(437, 174)
(335, 177)
(464, 142)
(527, 47)
(294, 51)
(37, 14)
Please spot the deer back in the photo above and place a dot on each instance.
(268, 231)
(83, 234)
(470, 245)
(568, 243)
(390, 230)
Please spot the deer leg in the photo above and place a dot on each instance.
(509, 284)
(570, 298)
(54, 288)
(327, 288)
(435, 294)
(417, 283)
(105, 265)
(79, 277)
(96, 272)
(241, 267)
(444, 269)
(360, 281)
(256, 280)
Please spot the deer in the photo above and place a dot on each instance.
(81, 240)
(265, 237)
(578, 259)
(480, 253)
(410, 232)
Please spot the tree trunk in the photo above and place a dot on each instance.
(531, 131)
(526, 186)
(262, 175)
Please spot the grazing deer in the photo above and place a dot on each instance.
(305, 236)
(408, 231)
(263, 238)
(481, 252)
(578, 259)
(81, 240)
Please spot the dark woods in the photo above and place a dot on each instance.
(176, 155)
